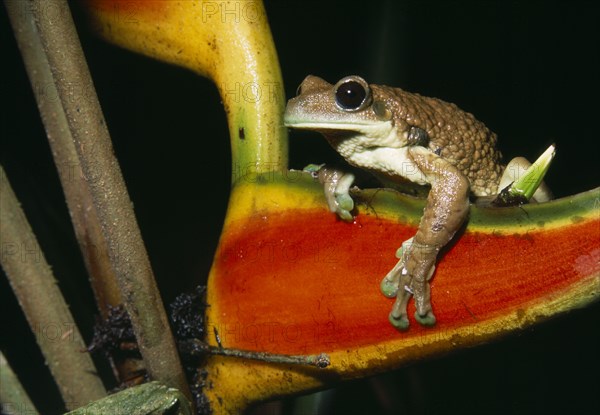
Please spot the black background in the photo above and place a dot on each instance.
(529, 70)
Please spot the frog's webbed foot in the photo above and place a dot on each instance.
(446, 209)
(410, 277)
(336, 185)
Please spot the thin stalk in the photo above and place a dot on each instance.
(196, 347)
(101, 171)
(13, 397)
(83, 214)
(45, 309)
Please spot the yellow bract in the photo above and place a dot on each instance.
(228, 42)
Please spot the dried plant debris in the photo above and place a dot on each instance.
(187, 314)
(197, 381)
(114, 337)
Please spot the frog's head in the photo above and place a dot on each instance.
(349, 109)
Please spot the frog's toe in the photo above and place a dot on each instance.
(344, 201)
(343, 206)
(345, 215)
(401, 322)
(389, 287)
(425, 320)
(390, 284)
(422, 295)
(398, 317)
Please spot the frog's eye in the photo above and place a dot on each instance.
(352, 93)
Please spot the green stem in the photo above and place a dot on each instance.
(251, 86)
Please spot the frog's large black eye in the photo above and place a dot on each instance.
(352, 93)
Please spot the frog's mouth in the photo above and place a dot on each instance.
(343, 129)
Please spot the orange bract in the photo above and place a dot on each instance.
(289, 277)
(302, 282)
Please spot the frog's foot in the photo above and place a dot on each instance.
(410, 277)
(336, 185)
(410, 286)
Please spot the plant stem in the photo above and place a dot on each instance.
(196, 347)
(46, 310)
(81, 209)
(13, 397)
(101, 171)
(86, 224)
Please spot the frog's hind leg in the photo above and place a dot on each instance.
(515, 169)
(446, 209)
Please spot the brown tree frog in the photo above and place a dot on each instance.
(403, 138)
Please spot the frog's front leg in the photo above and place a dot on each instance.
(336, 185)
(446, 209)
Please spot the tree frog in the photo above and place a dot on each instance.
(403, 138)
